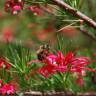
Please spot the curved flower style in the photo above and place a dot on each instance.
(61, 63)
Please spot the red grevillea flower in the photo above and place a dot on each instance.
(68, 63)
(61, 63)
(7, 89)
(47, 70)
(36, 10)
(80, 81)
(8, 34)
(14, 6)
(4, 64)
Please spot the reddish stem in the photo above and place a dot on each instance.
(75, 12)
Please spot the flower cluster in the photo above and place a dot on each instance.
(6, 88)
(14, 6)
(36, 10)
(4, 64)
(61, 63)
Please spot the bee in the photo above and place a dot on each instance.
(43, 52)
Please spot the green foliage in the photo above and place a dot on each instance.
(73, 3)
(18, 55)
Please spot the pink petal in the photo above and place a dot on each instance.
(90, 69)
(69, 57)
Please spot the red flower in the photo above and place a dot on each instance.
(68, 63)
(80, 81)
(7, 89)
(47, 70)
(59, 63)
(14, 6)
(8, 34)
(36, 10)
(78, 64)
(4, 64)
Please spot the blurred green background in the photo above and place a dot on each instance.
(32, 30)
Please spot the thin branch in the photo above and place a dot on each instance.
(84, 31)
(75, 12)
